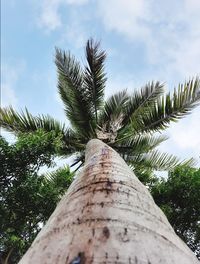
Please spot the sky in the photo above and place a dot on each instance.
(145, 40)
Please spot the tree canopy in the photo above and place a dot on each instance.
(27, 198)
(179, 197)
(126, 122)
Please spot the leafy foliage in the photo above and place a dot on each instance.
(179, 197)
(171, 107)
(27, 198)
(25, 122)
(73, 95)
(94, 76)
(127, 122)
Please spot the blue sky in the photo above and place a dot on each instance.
(145, 40)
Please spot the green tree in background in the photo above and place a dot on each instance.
(27, 199)
(179, 197)
(125, 122)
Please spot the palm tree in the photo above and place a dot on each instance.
(127, 123)
(107, 216)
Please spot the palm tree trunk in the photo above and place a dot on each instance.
(107, 216)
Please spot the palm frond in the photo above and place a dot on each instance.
(59, 179)
(25, 122)
(138, 144)
(142, 100)
(73, 95)
(157, 161)
(111, 116)
(94, 76)
(78, 162)
(16, 122)
(113, 107)
(72, 143)
(169, 108)
(54, 175)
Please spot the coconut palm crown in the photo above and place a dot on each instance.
(126, 122)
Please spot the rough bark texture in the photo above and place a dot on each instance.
(107, 216)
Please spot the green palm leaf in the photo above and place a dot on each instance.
(55, 176)
(141, 101)
(94, 76)
(137, 105)
(73, 94)
(157, 161)
(59, 180)
(26, 122)
(111, 116)
(169, 108)
(138, 144)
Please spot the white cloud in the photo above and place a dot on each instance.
(8, 95)
(169, 30)
(192, 6)
(125, 16)
(9, 77)
(50, 17)
(76, 2)
(74, 34)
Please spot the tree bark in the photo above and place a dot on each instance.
(107, 216)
